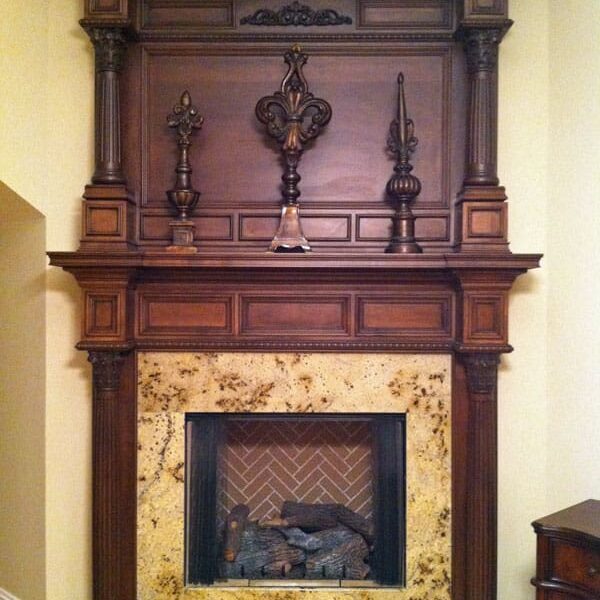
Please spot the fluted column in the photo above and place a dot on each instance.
(482, 211)
(482, 475)
(109, 44)
(481, 47)
(108, 210)
(106, 518)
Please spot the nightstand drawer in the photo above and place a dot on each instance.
(568, 553)
(576, 565)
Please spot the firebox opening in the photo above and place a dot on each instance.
(278, 499)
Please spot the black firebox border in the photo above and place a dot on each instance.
(203, 432)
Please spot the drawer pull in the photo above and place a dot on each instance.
(592, 571)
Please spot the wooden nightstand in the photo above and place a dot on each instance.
(568, 554)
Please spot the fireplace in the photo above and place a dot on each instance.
(191, 316)
(201, 414)
(305, 498)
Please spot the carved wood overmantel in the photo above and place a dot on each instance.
(347, 295)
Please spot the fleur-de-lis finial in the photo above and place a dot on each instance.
(185, 118)
(293, 117)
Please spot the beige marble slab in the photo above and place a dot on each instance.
(171, 384)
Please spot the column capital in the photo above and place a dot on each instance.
(482, 371)
(107, 368)
(481, 48)
(110, 44)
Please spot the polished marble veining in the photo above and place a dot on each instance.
(171, 384)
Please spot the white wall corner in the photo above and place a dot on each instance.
(4, 595)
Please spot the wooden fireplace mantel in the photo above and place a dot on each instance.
(345, 296)
(327, 301)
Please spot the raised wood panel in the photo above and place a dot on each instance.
(343, 169)
(189, 14)
(104, 218)
(103, 314)
(379, 228)
(316, 228)
(325, 227)
(486, 8)
(217, 227)
(98, 9)
(485, 317)
(297, 315)
(404, 14)
(107, 216)
(173, 314)
(411, 315)
(485, 220)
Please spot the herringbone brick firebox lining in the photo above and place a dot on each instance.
(264, 462)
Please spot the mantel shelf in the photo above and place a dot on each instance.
(295, 262)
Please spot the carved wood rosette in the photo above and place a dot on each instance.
(482, 210)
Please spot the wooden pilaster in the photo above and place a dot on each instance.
(481, 475)
(113, 458)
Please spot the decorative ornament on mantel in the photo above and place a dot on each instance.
(284, 113)
(403, 187)
(296, 14)
(185, 118)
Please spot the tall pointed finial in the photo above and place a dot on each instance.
(403, 187)
(402, 133)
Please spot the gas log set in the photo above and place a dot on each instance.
(307, 541)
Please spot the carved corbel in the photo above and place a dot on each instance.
(482, 207)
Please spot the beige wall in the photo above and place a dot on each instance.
(549, 115)
(22, 397)
(523, 408)
(46, 104)
(573, 250)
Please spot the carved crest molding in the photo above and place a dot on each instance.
(296, 14)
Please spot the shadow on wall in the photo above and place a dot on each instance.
(22, 397)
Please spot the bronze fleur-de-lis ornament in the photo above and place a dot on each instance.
(293, 117)
(184, 119)
(403, 187)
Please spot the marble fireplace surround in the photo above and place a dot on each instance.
(173, 383)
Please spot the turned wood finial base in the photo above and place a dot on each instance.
(403, 236)
(183, 237)
(289, 236)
